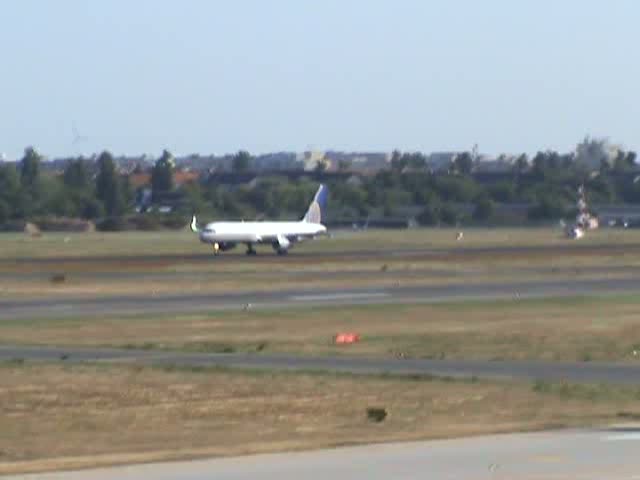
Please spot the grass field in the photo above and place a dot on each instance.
(55, 417)
(580, 329)
(201, 282)
(184, 242)
(159, 275)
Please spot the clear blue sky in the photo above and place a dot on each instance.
(208, 76)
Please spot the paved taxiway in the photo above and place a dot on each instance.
(139, 275)
(610, 454)
(587, 372)
(266, 256)
(156, 304)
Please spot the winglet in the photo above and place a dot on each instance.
(318, 205)
(194, 225)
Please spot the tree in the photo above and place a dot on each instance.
(631, 158)
(194, 197)
(9, 184)
(30, 167)
(430, 215)
(554, 161)
(76, 175)
(547, 207)
(241, 161)
(568, 161)
(5, 211)
(463, 163)
(624, 161)
(456, 189)
(593, 153)
(522, 163)
(108, 187)
(448, 215)
(503, 192)
(398, 161)
(483, 208)
(162, 175)
(344, 165)
(61, 204)
(34, 188)
(540, 164)
(91, 208)
(321, 166)
(416, 161)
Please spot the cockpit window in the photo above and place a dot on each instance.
(209, 230)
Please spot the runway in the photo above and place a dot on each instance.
(266, 256)
(66, 307)
(586, 372)
(597, 454)
(141, 275)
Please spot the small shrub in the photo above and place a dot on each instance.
(112, 224)
(542, 386)
(629, 415)
(376, 414)
(586, 357)
(58, 278)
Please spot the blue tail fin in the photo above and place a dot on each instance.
(316, 210)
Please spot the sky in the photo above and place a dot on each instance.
(209, 76)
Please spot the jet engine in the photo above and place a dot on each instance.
(281, 245)
(224, 246)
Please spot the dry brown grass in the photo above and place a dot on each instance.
(55, 417)
(579, 329)
(263, 281)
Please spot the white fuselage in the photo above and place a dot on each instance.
(259, 232)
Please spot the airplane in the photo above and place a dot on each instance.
(224, 236)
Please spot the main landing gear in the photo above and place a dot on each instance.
(250, 250)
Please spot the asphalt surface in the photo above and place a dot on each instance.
(585, 372)
(66, 307)
(302, 275)
(610, 454)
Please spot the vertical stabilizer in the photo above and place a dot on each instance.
(194, 225)
(316, 210)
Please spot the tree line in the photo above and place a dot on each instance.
(95, 190)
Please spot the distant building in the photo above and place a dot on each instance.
(502, 164)
(311, 159)
(139, 180)
(277, 161)
(358, 161)
(180, 178)
(126, 164)
(441, 161)
(201, 163)
(592, 153)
